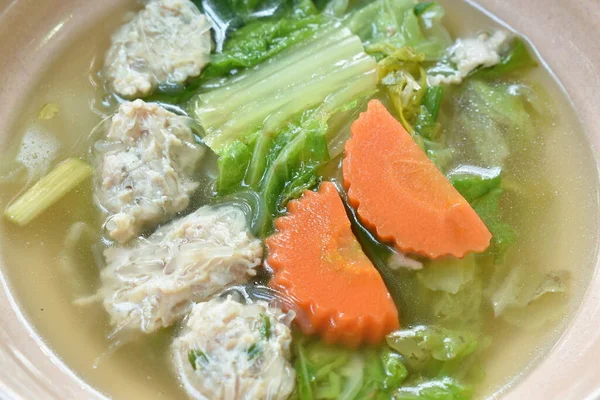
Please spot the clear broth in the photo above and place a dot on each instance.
(562, 237)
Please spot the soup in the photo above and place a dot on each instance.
(547, 207)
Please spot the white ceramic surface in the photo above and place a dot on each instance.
(564, 32)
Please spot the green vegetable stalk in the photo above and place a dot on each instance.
(51, 188)
(331, 63)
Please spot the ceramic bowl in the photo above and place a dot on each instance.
(564, 32)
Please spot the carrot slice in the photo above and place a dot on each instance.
(402, 196)
(317, 261)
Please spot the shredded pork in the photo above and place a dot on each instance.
(471, 53)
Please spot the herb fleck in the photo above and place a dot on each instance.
(194, 355)
(265, 326)
(254, 351)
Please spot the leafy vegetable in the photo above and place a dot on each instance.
(333, 372)
(440, 154)
(334, 8)
(488, 208)
(233, 164)
(398, 74)
(428, 128)
(444, 388)
(294, 168)
(473, 182)
(276, 156)
(426, 124)
(452, 299)
(394, 370)
(494, 120)
(230, 16)
(420, 8)
(65, 177)
(396, 23)
(262, 39)
(527, 298)
(516, 59)
(417, 105)
(304, 373)
(305, 179)
(442, 311)
(197, 357)
(483, 189)
(330, 68)
(449, 274)
(461, 310)
(428, 349)
(279, 167)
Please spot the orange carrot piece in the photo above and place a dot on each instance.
(402, 196)
(317, 261)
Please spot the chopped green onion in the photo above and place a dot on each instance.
(254, 351)
(194, 355)
(48, 190)
(265, 326)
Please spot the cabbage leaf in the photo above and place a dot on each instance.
(336, 372)
(483, 189)
(270, 125)
(396, 23)
(330, 69)
(449, 274)
(435, 389)
(425, 349)
(262, 39)
(493, 121)
(516, 59)
(525, 298)
(286, 165)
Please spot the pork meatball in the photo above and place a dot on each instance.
(154, 282)
(164, 44)
(234, 351)
(144, 168)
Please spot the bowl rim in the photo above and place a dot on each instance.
(30, 31)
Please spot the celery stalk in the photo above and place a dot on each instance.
(48, 190)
